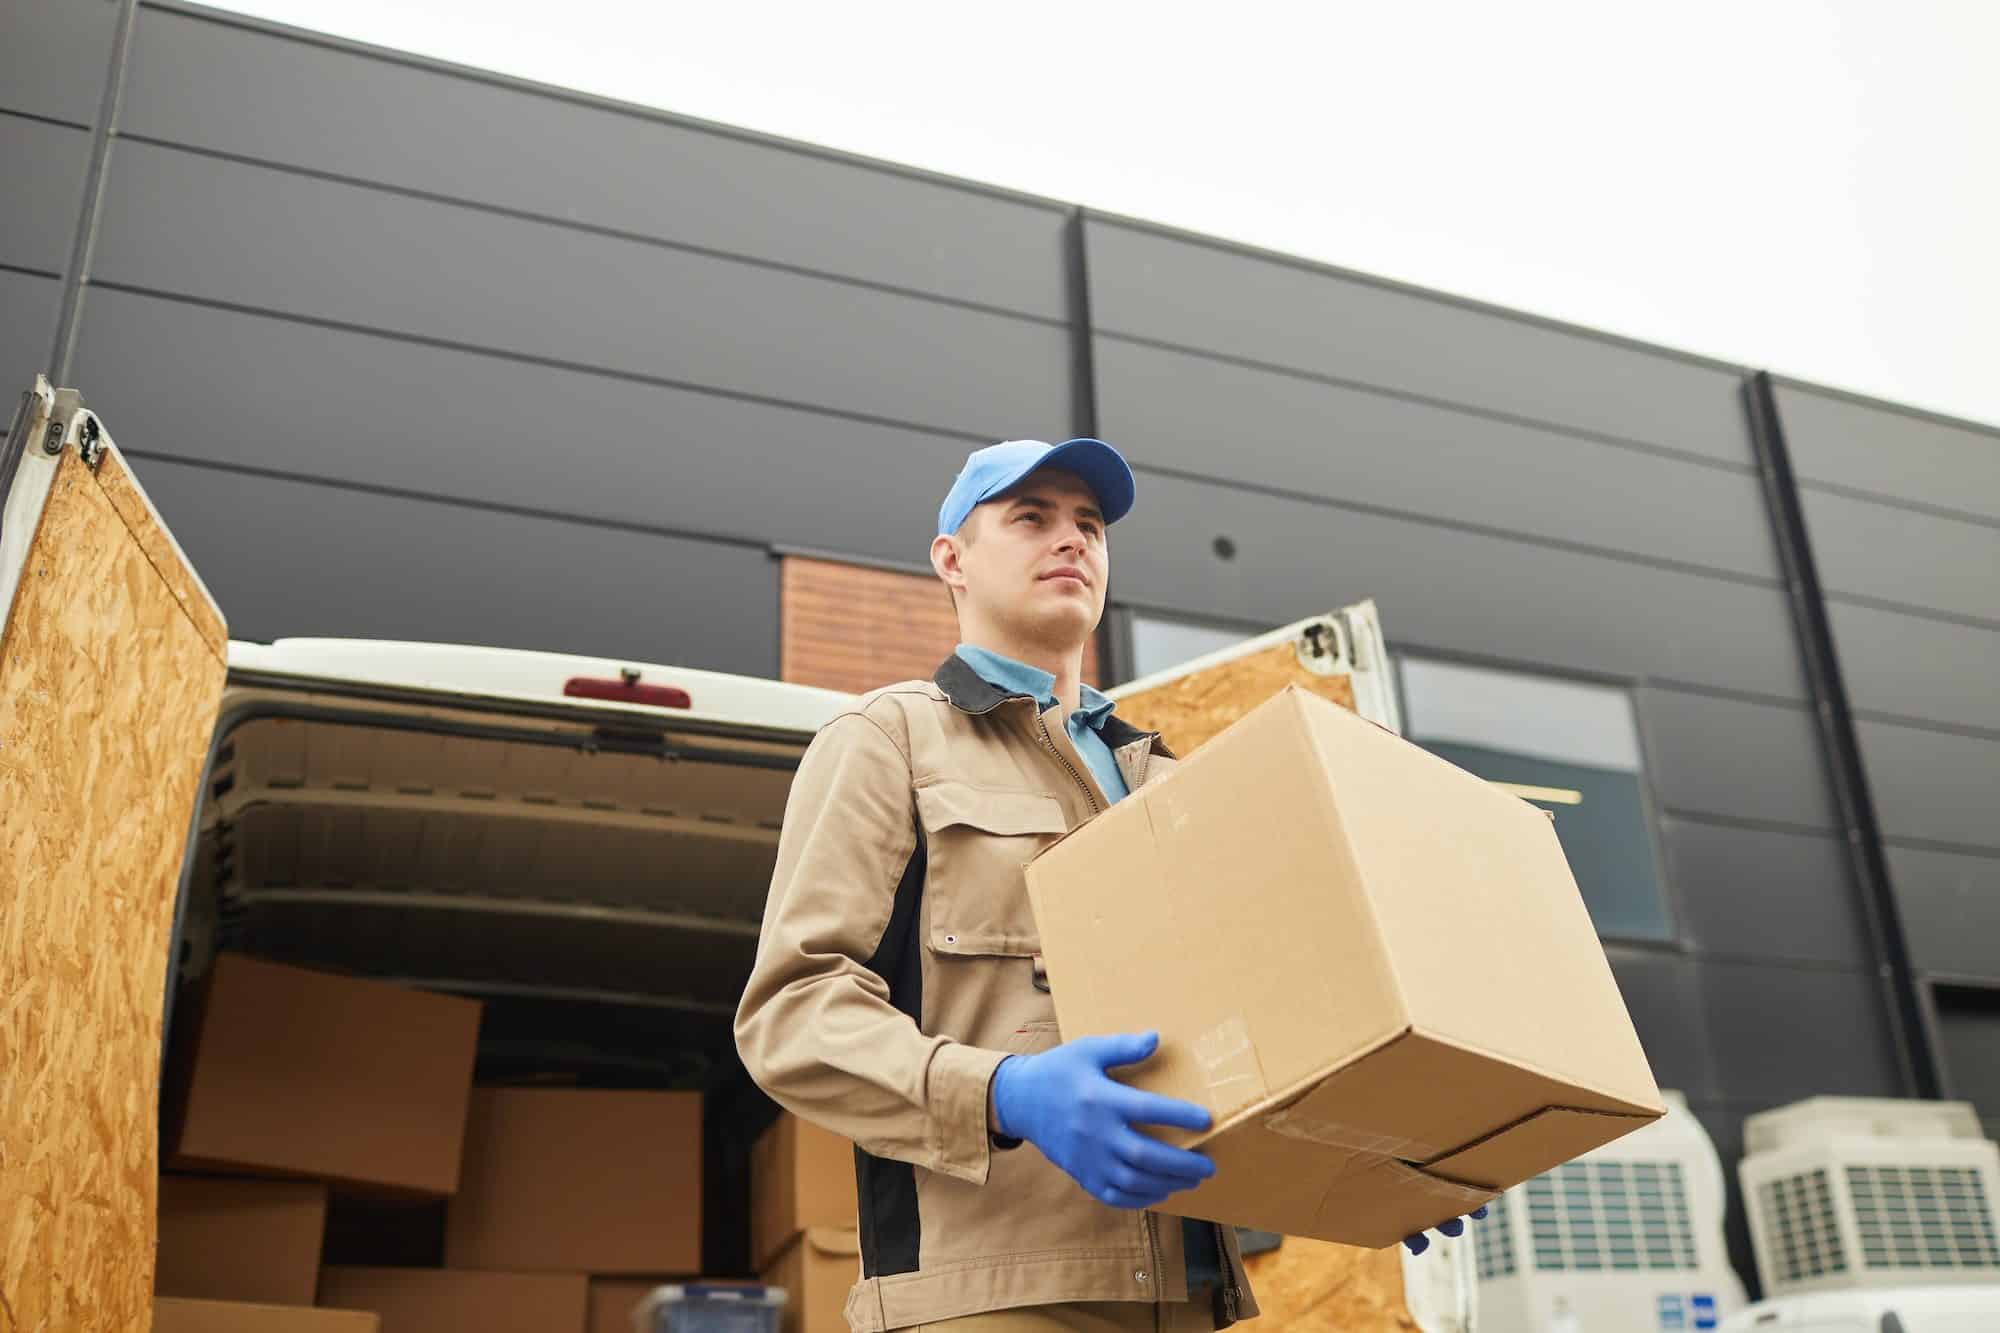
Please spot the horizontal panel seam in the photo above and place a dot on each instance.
(1459, 525)
(1827, 391)
(1792, 704)
(21, 113)
(1914, 612)
(632, 110)
(598, 229)
(1752, 823)
(1939, 845)
(1897, 502)
(27, 271)
(1584, 433)
(736, 540)
(536, 359)
(1964, 730)
(1244, 250)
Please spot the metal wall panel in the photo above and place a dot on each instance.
(1735, 758)
(55, 57)
(1933, 785)
(1753, 892)
(216, 83)
(1213, 418)
(1781, 1033)
(1914, 666)
(1179, 289)
(1951, 907)
(27, 330)
(273, 240)
(1660, 994)
(1885, 552)
(1970, 1032)
(45, 166)
(1890, 452)
(291, 558)
(1444, 589)
(271, 393)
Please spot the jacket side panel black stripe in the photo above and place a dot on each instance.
(890, 1232)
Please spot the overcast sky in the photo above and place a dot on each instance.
(1810, 186)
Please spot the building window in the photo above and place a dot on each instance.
(1567, 746)
(1160, 643)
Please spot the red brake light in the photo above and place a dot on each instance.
(627, 690)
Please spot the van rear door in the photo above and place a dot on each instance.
(112, 657)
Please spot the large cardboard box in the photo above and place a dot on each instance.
(432, 1300)
(299, 1073)
(240, 1240)
(800, 1176)
(173, 1314)
(816, 1270)
(569, 1180)
(613, 1299)
(1372, 967)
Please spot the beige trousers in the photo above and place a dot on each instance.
(1087, 1317)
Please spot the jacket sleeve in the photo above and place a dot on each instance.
(816, 1027)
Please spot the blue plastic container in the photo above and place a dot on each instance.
(705, 1307)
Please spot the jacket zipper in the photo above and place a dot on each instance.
(1231, 1293)
(1153, 1257)
(1049, 742)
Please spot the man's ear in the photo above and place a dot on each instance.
(945, 559)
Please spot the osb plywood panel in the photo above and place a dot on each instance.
(122, 489)
(1311, 1286)
(108, 691)
(1195, 707)
(848, 627)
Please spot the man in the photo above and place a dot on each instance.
(897, 997)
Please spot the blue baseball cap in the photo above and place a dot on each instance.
(992, 470)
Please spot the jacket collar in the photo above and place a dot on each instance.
(970, 692)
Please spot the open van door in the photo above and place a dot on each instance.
(1311, 1286)
(112, 656)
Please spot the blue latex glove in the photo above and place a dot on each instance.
(1456, 1227)
(1064, 1103)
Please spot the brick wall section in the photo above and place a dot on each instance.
(850, 627)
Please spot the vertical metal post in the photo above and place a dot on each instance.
(1835, 720)
(84, 244)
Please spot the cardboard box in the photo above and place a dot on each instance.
(240, 1240)
(800, 1176)
(568, 1180)
(299, 1073)
(612, 1301)
(816, 1270)
(1372, 967)
(432, 1300)
(173, 1314)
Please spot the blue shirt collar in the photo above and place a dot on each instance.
(1020, 678)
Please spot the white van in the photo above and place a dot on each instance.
(582, 843)
(1939, 1309)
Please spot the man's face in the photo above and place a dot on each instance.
(1036, 560)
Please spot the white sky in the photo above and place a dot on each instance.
(1810, 186)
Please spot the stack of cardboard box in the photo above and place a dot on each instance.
(803, 1221)
(562, 1207)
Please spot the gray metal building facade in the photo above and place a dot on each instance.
(412, 351)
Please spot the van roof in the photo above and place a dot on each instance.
(504, 674)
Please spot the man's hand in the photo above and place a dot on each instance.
(1064, 1103)
(1420, 1242)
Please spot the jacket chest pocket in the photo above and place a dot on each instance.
(976, 841)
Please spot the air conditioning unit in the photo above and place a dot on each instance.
(1871, 1191)
(1628, 1236)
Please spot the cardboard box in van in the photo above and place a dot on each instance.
(299, 1073)
(800, 1176)
(1372, 967)
(431, 1300)
(240, 1240)
(174, 1314)
(816, 1270)
(580, 1181)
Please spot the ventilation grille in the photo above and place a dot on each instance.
(1493, 1241)
(1805, 1239)
(1922, 1217)
(1598, 1216)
